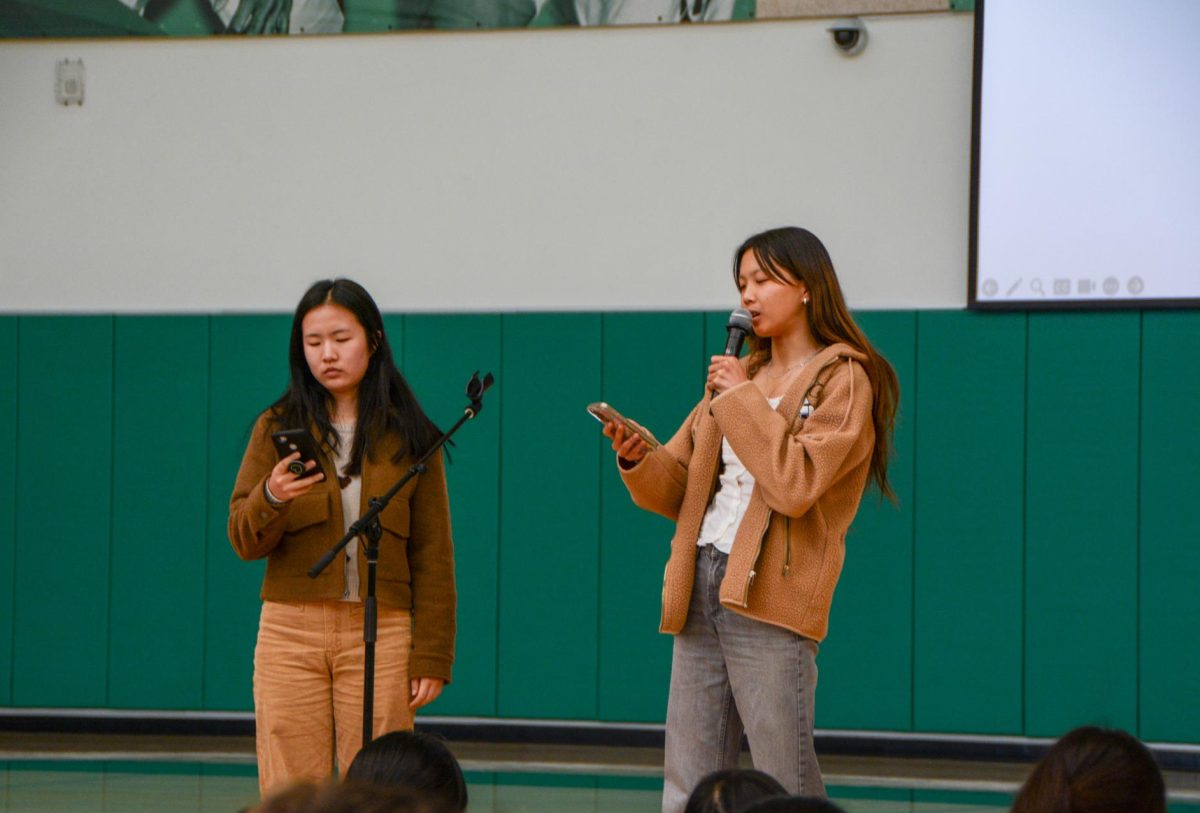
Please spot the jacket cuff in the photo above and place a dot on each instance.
(271, 498)
(432, 666)
(651, 470)
(262, 511)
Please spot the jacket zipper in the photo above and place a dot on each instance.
(754, 562)
(787, 548)
(787, 560)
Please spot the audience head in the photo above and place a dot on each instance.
(732, 791)
(412, 759)
(350, 797)
(794, 804)
(1094, 770)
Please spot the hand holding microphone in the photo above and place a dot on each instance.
(725, 371)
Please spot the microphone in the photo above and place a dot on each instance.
(737, 327)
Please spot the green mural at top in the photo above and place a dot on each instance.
(120, 18)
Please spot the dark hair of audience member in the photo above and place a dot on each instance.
(412, 759)
(732, 791)
(293, 798)
(1094, 770)
(350, 797)
(794, 804)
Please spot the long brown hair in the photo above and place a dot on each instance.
(792, 255)
(1094, 770)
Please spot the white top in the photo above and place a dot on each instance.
(351, 499)
(729, 504)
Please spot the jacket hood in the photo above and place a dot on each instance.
(826, 354)
(840, 350)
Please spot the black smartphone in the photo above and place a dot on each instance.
(289, 441)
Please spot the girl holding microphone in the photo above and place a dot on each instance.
(763, 480)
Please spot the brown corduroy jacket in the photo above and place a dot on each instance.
(810, 460)
(416, 554)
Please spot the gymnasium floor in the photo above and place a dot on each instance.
(56, 773)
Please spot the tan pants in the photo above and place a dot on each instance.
(308, 677)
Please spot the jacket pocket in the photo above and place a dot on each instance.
(395, 519)
(393, 547)
(308, 509)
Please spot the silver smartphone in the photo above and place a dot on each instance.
(606, 414)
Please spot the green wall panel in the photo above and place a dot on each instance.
(549, 520)
(866, 661)
(8, 495)
(1169, 668)
(248, 369)
(715, 335)
(441, 352)
(969, 510)
(1081, 522)
(160, 457)
(64, 443)
(656, 384)
(393, 326)
(1040, 572)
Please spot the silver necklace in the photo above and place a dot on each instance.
(786, 370)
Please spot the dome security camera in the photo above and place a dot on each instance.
(849, 36)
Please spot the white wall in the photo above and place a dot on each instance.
(513, 170)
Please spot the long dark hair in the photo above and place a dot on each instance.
(791, 255)
(386, 403)
(732, 790)
(1094, 770)
(412, 759)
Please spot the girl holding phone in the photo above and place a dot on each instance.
(763, 480)
(308, 661)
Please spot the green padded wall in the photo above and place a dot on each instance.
(865, 663)
(160, 453)
(549, 517)
(1081, 604)
(1039, 574)
(8, 495)
(64, 445)
(441, 352)
(655, 383)
(715, 333)
(969, 509)
(393, 326)
(247, 368)
(1169, 657)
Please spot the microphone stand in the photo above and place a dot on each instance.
(367, 526)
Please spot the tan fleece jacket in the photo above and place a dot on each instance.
(416, 554)
(809, 474)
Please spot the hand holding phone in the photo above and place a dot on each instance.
(290, 441)
(607, 414)
(294, 474)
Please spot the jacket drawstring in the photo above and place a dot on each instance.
(850, 404)
(787, 556)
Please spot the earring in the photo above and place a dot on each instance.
(806, 299)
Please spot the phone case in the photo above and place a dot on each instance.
(605, 414)
(288, 441)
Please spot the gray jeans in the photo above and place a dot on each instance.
(730, 673)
